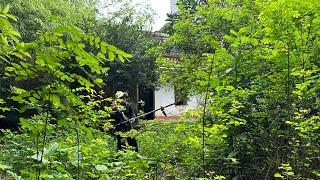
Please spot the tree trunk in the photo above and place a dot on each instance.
(134, 97)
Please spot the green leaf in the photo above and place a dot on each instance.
(97, 42)
(103, 49)
(10, 69)
(56, 100)
(27, 107)
(152, 163)
(233, 32)
(40, 61)
(278, 175)
(32, 100)
(88, 132)
(121, 58)
(111, 56)
(18, 55)
(6, 9)
(91, 40)
(3, 16)
(18, 99)
(12, 17)
(98, 80)
(101, 56)
(104, 44)
(126, 55)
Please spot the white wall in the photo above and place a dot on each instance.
(173, 6)
(164, 95)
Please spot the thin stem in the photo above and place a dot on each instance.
(288, 73)
(288, 83)
(203, 120)
(78, 149)
(305, 44)
(236, 71)
(44, 135)
(37, 142)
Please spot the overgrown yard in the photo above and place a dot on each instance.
(167, 149)
(70, 73)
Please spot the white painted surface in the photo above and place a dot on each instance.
(173, 6)
(164, 95)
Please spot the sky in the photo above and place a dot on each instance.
(161, 7)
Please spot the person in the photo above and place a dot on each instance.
(122, 113)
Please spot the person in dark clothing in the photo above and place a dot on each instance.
(122, 113)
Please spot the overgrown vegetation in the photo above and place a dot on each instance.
(256, 63)
(264, 85)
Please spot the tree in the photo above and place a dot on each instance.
(133, 24)
(262, 86)
(129, 29)
(45, 15)
(34, 17)
(56, 59)
(10, 48)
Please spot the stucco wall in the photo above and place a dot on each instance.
(164, 95)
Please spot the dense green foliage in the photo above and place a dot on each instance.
(124, 28)
(54, 81)
(175, 148)
(255, 62)
(62, 76)
(264, 85)
(140, 71)
(44, 15)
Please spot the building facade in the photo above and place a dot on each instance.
(165, 94)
